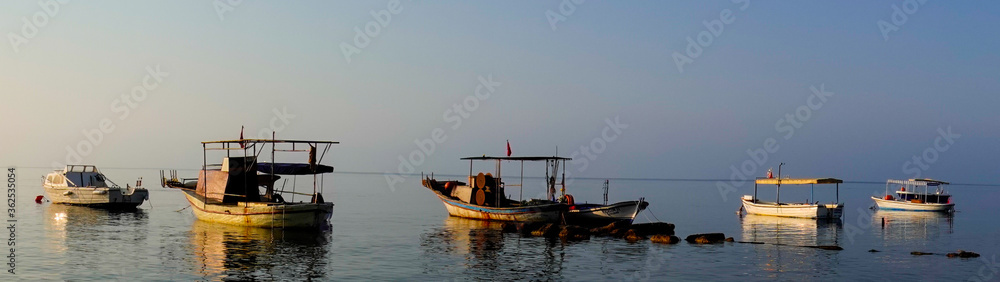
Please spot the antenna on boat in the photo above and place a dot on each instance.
(605, 191)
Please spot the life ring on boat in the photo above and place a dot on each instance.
(569, 200)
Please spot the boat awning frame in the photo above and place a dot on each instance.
(798, 181)
(238, 141)
(487, 158)
(917, 182)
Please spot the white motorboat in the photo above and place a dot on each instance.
(84, 185)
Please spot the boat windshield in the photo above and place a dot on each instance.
(85, 179)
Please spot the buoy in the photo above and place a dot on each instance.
(38, 199)
(888, 197)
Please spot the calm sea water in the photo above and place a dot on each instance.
(379, 234)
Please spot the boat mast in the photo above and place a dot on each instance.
(777, 195)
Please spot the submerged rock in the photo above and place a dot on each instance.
(547, 230)
(632, 236)
(963, 254)
(617, 228)
(829, 248)
(665, 239)
(873, 251)
(508, 227)
(573, 232)
(708, 238)
(655, 228)
(921, 253)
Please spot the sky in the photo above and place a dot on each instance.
(633, 89)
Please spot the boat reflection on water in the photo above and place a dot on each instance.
(477, 248)
(785, 240)
(81, 234)
(229, 252)
(909, 227)
(790, 231)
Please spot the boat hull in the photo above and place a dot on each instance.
(815, 211)
(540, 213)
(259, 214)
(909, 206)
(604, 214)
(101, 197)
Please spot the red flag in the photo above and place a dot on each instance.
(508, 148)
(242, 145)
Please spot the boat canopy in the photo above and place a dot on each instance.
(293, 168)
(237, 141)
(799, 181)
(918, 182)
(483, 158)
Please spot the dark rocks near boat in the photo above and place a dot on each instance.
(655, 228)
(963, 254)
(633, 236)
(708, 238)
(616, 229)
(574, 233)
(509, 227)
(665, 239)
(548, 230)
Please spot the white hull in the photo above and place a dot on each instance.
(623, 211)
(101, 196)
(266, 215)
(816, 211)
(909, 206)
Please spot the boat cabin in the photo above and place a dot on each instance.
(918, 191)
(78, 176)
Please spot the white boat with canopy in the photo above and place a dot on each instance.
(816, 210)
(916, 195)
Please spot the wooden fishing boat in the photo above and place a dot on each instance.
(816, 210)
(84, 185)
(230, 192)
(483, 196)
(913, 199)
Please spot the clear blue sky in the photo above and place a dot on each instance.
(607, 59)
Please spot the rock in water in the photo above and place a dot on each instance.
(610, 229)
(508, 227)
(963, 254)
(873, 251)
(632, 236)
(548, 230)
(708, 238)
(665, 239)
(921, 253)
(655, 228)
(572, 233)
